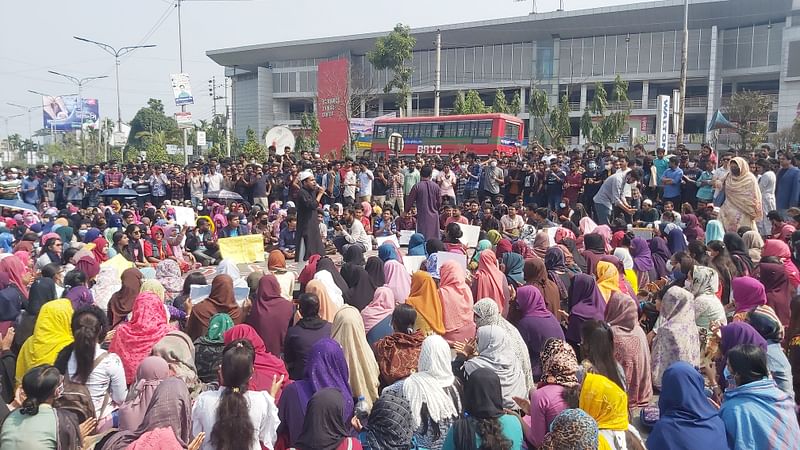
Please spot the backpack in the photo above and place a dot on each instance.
(76, 397)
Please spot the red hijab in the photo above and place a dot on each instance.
(307, 274)
(16, 271)
(265, 366)
(270, 314)
(99, 245)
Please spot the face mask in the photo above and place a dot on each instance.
(562, 205)
(494, 164)
(669, 266)
(592, 166)
(729, 378)
(82, 232)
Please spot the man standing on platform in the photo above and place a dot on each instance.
(426, 196)
(309, 241)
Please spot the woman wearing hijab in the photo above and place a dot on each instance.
(276, 263)
(521, 248)
(558, 272)
(778, 249)
(754, 243)
(776, 284)
(271, 314)
(660, 254)
(16, 271)
(707, 307)
(348, 331)
(676, 241)
(573, 257)
(486, 313)
(594, 250)
(748, 293)
(327, 307)
(168, 273)
(631, 349)
(494, 351)
(323, 427)
(354, 255)
(573, 429)
(397, 280)
(326, 368)
(732, 335)
(389, 425)
(360, 288)
(513, 268)
(535, 273)
(387, 252)
(739, 253)
(397, 353)
(607, 279)
(687, 419)
(643, 265)
(42, 291)
(424, 297)
(228, 267)
(585, 303)
(134, 340)
(378, 311)
(456, 298)
(307, 274)
(166, 422)
(559, 368)
(485, 419)
(677, 338)
(220, 300)
(607, 403)
(693, 230)
(208, 348)
(490, 282)
(536, 325)
(742, 206)
(416, 245)
(326, 264)
(121, 302)
(178, 351)
(374, 268)
(149, 375)
(503, 247)
(431, 265)
(766, 322)
(51, 333)
(433, 393)
(714, 231)
(541, 243)
(266, 367)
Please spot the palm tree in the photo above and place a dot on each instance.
(14, 141)
(161, 138)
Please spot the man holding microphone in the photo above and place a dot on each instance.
(309, 241)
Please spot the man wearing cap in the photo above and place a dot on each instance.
(647, 215)
(309, 241)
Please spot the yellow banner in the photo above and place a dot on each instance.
(243, 249)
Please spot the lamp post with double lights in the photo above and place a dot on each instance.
(79, 82)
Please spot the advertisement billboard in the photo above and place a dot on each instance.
(333, 101)
(662, 121)
(63, 114)
(181, 89)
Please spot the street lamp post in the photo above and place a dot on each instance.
(79, 82)
(29, 109)
(116, 53)
(6, 119)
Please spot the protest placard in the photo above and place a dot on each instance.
(243, 249)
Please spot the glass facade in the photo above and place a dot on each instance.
(752, 46)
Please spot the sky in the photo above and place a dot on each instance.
(28, 52)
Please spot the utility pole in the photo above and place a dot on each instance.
(8, 133)
(437, 74)
(212, 92)
(228, 115)
(28, 109)
(684, 69)
(79, 82)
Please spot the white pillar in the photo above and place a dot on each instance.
(645, 93)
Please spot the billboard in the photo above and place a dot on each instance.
(62, 113)
(333, 104)
(662, 122)
(181, 89)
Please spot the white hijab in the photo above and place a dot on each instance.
(334, 292)
(496, 352)
(228, 267)
(434, 375)
(625, 256)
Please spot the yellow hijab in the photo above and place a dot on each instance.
(424, 298)
(153, 286)
(348, 331)
(602, 399)
(51, 334)
(607, 279)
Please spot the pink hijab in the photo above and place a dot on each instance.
(25, 257)
(397, 280)
(381, 306)
(151, 371)
(779, 249)
(489, 279)
(16, 271)
(456, 298)
(605, 232)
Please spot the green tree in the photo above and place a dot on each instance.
(309, 139)
(392, 52)
(149, 119)
(613, 117)
(458, 104)
(553, 120)
(14, 142)
(500, 104)
(473, 103)
(750, 111)
(516, 104)
(252, 148)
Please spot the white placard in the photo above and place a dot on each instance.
(201, 138)
(200, 292)
(469, 235)
(551, 233)
(405, 237)
(443, 257)
(184, 216)
(384, 239)
(412, 263)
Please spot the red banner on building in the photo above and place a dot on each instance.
(333, 80)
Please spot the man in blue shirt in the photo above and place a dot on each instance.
(787, 185)
(671, 180)
(30, 188)
(234, 228)
(287, 239)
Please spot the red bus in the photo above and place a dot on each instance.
(481, 134)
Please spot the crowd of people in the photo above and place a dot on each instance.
(606, 287)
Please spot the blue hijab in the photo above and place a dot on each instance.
(688, 419)
(387, 252)
(5, 242)
(714, 231)
(514, 264)
(416, 245)
(676, 241)
(91, 235)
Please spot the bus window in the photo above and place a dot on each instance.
(463, 129)
(450, 129)
(485, 128)
(473, 129)
(438, 130)
(380, 131)
(512, 131)
(425, 132)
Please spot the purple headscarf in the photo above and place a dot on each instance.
(733, 334)
(693, 230)
(660, 254)
(79, 296)
(642, 259)
(748, 293)
(676, 241)
(326, 367)
(586, 303)
(531, 303)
